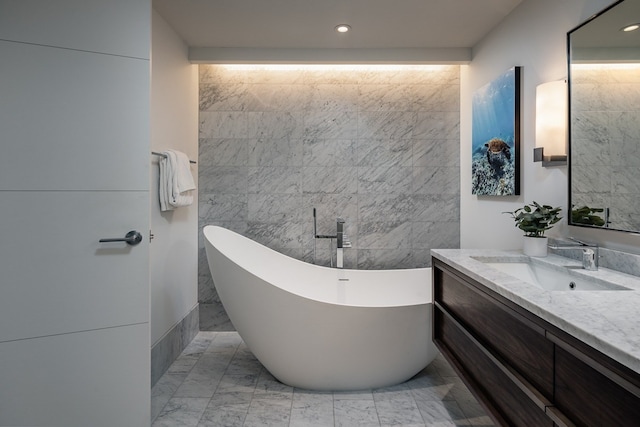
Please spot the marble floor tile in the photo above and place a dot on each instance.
(163, 390)
(268, 413)
(227, 409)
(442, 413)
(218, 382)
(312, 409)
(351, 412)
(399, 412)
(181, 412)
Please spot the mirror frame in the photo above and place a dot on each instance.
(569, 124)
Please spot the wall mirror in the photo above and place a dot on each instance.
(604, 119)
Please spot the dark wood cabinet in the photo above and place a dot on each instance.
(522, 369)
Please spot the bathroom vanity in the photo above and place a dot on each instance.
(539, 357)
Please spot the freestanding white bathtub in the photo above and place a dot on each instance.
(321, 328)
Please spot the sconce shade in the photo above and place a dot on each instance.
(551, 117)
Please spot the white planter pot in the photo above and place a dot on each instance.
(535, 246)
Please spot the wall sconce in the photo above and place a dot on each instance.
(551, 124)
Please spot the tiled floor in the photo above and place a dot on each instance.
(216, 381)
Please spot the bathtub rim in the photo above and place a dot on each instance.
(326, 275)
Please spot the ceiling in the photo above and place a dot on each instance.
(309, 24)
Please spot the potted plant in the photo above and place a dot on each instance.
(534, 220)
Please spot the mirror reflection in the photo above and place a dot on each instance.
(604, 88)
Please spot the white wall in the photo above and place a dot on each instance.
(532, 36)
(174, 124)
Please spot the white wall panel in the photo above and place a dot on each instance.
(56, 276)
(72, 120)
(174, 124)
(118, 27)
(55, 381)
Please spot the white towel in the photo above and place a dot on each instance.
(176, 181)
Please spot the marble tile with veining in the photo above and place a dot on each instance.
(436, 234)
(270, 388)
(385, 207)
(337, 75)
(386, 124)
(330, 206)
(268, 413)
(277, 97)
(385, 97)
(276, 235)
(436, 180)
(437, 125)
(333, 97)
(223, 179)
(275, 208)
(329, 152)
(446, 413)
(226, 409)
(331, 180)
(244, 362)
(269, 75)
(385, 179)
(204, 377)
(436, 152)
(399, 412)
(275, 152)
(181, 412)
(331, 125)
(222, 207)
(354, 412)
(591, 179)
(382, 259)
(384, 235)
(431, 207)
(164, 389)
(213, 317)
(384, 152)
(274, 179)
(224, 124)
(436, 97)
(224, 152)
(312, 409)
(275, 125)
(225, 97)
(220, 74)
(238, 383)
(625, 180)
(587, 152)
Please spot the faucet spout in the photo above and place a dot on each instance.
(590, 253)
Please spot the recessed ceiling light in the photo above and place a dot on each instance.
(342, 28)
(631, 27)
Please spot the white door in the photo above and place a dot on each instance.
(74, 168)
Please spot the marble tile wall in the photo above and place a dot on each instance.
(379, 148)
(605, 142)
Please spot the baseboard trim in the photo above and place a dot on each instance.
(169, 347)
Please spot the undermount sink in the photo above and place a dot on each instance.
(553, 279)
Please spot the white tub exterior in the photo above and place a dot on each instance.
(321, 328)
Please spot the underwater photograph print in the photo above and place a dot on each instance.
(495, 163)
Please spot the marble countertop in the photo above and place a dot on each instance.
(608, 321)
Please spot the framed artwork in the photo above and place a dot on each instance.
(495, 163)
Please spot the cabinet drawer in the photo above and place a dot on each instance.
(508, 403)
(502, 330)
(590, 397)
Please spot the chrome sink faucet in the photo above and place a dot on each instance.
(590, 253)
